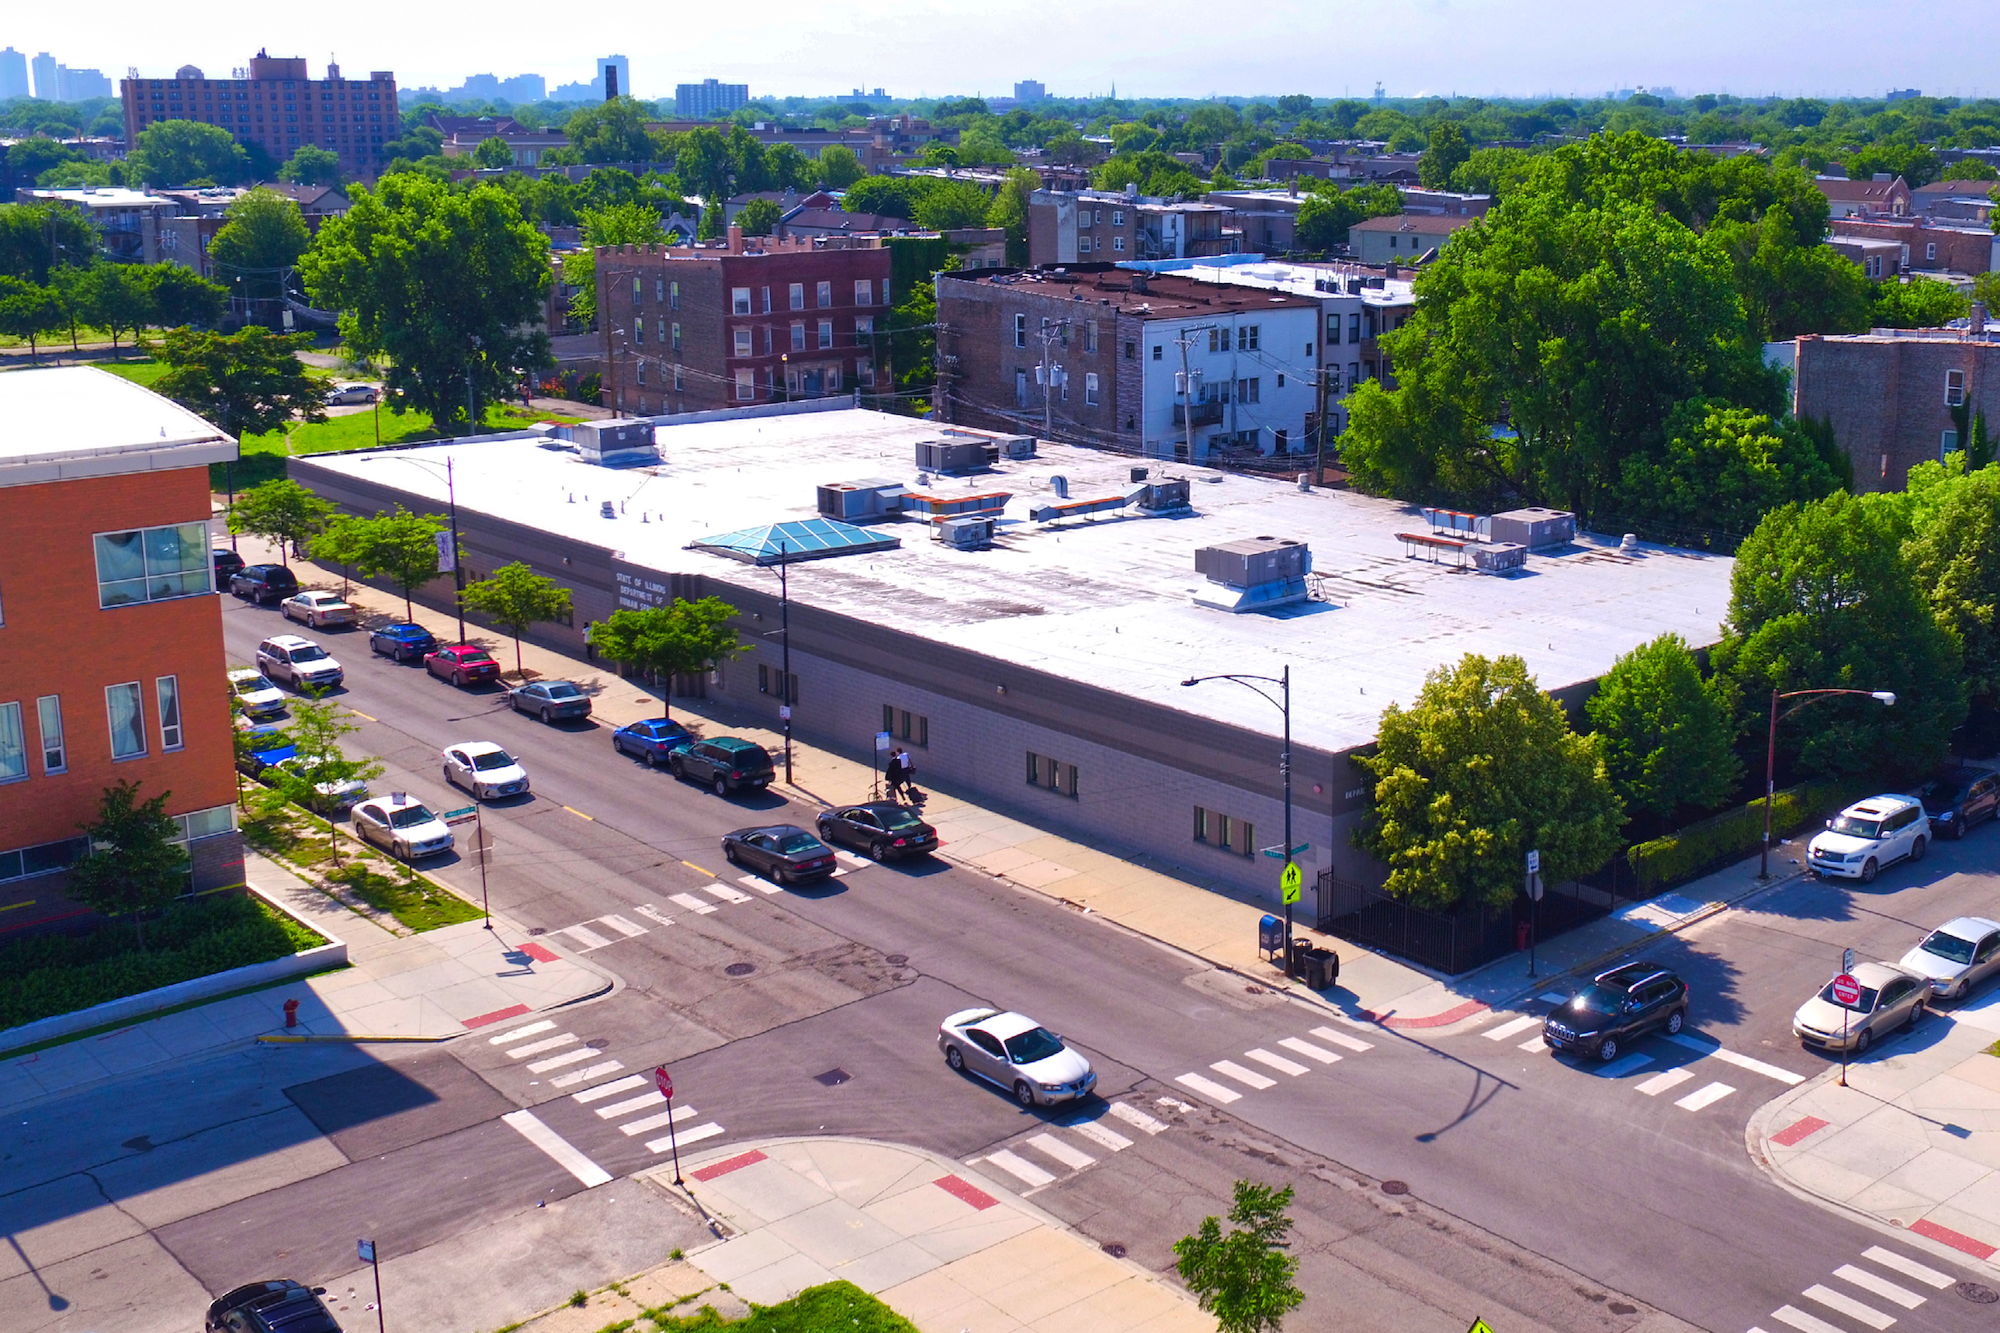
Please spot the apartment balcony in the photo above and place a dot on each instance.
(1205, 414)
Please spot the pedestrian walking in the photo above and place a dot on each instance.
(896, 775)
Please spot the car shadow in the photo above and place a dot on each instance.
(750, 800)
(1060, 1114)
(915, 867)
(830, 887)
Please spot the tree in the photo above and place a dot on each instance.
(1327, 214)
(1791, 285)
(446, 286)
(1664, 732)
(248, 383)
(620, 224)
(1446, 152)
(1986, 290)
(1010, 212)
(401, 547)
(37, 237)
(320, 768)
(613, 131)
(949, 205)
(184, 152)
(493, 152)
(30, 311)
(282, 512)
(1954, 552)
(1970, 169)
(1917, 303)
(257, 248)
(1723, 468)
(517, 597)
(839, 167)
(134, 864)
(1482, 769)
(1244, 1278)
(311, 165)
(114, 297)
(177, 296)
(667, 641)
(341, 543)
(759, 217)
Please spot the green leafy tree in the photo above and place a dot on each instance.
(30, 312)
(321, 768)
(257, 248)
(34, 157)
(311, 165)
(1010, 212)
(82, 174)
(401, 547)
(446, 286)
(183, 152)
(1791, 284)
(1494, 171)
(1444, 154)
(1917, 303)
(517, 597)
(282, 512)
(134, 864)
(1244, 1278)
(1986, 291)
(619, 224)
(1480, 770)
(682, 638)
(1954, 552)
(1723, 468)
(248, 383)
(179, 297)
(1970, 169)
(759, 217)
(952, 204)
(35, 238)
(114, 297)
(839, 167)
(493, 153)
(613, 131)
(341, 543)
(1665, 732)
(1326, 215)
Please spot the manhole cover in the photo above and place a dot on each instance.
(1113, 1248)
(740, 969)
(833, 1078)
(1395, 1187)
(538, 930)
(143, 1143)
(1620, 1307)
(597, 1043)
(1977, 1293)
(897, 959)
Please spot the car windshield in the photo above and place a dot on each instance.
(474, 656)
(491, 760)
(1032, 1045)
(410, 816)
(793, 844)
(1948, 947)
(1856, 827)
(898, 819)
(1942, 794)
(1598, 999)
(1864, 1003)
(253, 685)
(661, 731)
(563, 690)
(312, 652)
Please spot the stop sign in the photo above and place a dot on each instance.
(1845, 989)
(666, 1082)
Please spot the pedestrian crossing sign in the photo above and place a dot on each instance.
(1290, 881)
(1480, 1326)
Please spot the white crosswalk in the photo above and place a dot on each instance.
(1313, 1047)
(602, 931)
(570, 1157)
(1864, 1289)
(1026, 1159)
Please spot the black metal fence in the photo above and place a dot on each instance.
(1464, 938)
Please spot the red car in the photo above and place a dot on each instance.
(462, 664)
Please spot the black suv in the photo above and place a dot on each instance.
(227, 563)
(726, 763)
(264, 584)
(1959, 798)
(283, 1306)
(1616, 1008)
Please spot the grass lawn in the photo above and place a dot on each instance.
(407, 896)
(836, 1307)
(281, 830)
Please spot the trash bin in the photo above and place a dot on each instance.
(1318, 968)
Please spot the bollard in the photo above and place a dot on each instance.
(1521, 936)
(291, 1013)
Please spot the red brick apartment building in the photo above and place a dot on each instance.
(111, 659)
(1890, 394)
(694, 328)
(274, 105)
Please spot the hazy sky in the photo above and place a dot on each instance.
(1328, 48)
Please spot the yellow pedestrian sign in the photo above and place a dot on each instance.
(1290, 882)
(1480, 1326)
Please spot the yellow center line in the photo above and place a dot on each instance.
(698, 870)
(363, 716)
(579, 814)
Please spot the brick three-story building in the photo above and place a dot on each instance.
(272, 105)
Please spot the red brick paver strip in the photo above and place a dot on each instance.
(962, 1189)
(1798, 1131)
(1978, 1249)
(1456, 1014)
(538, 953)
(733, 1164)
(511, 1011)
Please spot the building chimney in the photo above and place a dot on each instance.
(1390, 271)
(611, 83)
(1293, 186)
(1140, 277)
(736, 240)
(1976, 323)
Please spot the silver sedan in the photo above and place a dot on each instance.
(1890, 998)
(1957, 956)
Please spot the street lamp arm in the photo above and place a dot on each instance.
(1887, 698)
(1246, 683)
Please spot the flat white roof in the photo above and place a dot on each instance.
(65, 422)
(1104, 602)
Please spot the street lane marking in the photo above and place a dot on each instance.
(761, 885)
(1250, 1077)
(698, 870)
(579, 814)
(1098, 1134)
(1342, 1039)
(1510, 1027)
(1208, 1088)
(695, 1135)
(622, 926)
(1307, 1049)
(724, 892)
(585, 936)
(1727, 1056)
(519, 1033)
(611, 1089)
(560, 1149)
(631, 1104)
(545, 1044)
(1621, 1067)
(1707, 1096)
(1552, 997)
(678, 1115)
(692, 903)
(363, 716)
(1659, 1083)
(1881, 1286)
(1848, 1306)
(648, 911)
(581, 1053)
(570, 1080)
(1277, 1062)
(1132, 1115)
(1020, 1168)
(1802, 1321)
(1930, 1277)
(1062, 1152)
(1534, 1043)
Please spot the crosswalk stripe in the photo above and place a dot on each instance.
(612, 1089)
(1848, 1306)
(850, 859)
(1248, 1077)
(581, 1053)
(585, 936)
(1510, 1027)
(1534, 1043)
(1923, 1273)
(1727, 1056)
(679, 1115)
(545, 1044)
(519, 1033)
(565, 1153)
(626, 928)
(724, 892)
(630, 1104)
(648, 911)
(1306, 1048)
(575, 1077)
(1208, 1088)
(1277, 1062)
(1342, 1039)
(758, 883)
(1020, 1168)
(1052, 1146)
(695, 1135)
(692, 903)
(1659, 1083)
(1881, 1286)
(1707, 1096)
(1624, 1065)
(1103, 1137)
(1804, 1322)
(1132, 1115)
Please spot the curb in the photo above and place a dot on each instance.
(277, 1038)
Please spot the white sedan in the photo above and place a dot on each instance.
(484, 769)
(403, 826)
(1017, 1053)
(318, 609)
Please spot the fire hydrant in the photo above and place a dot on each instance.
(291, 1013)
(1521, 936)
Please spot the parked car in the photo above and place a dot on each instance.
(883, 829)
(263, 584)
(283, 1306)
(299, 662)
(1960, 797)
(317, 609)
(484, 769)
(550, 700)
(227, 562)
(340, 395)
(1957, 956)
(255, 696)
(651, 739)
(1868, 835)
(726, 763)
(462, 664)
(1616, 1008)
(274, 751)
(403, 826)
(1017, 1053)
(402, 642)
(784, 852)
(1890, 998)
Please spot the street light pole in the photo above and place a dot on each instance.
(785, 659)
(1283, 703)
(457, 563)
(1886, 698)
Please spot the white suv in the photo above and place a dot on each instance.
(299, 662)
(1869, 835)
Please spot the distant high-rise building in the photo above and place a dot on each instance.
(1903, 94)
(699, 101)
(13, 75)
(275, 106)
(594, 90)
(1029, 91)
(78, 85)
(624, 68)
(47, 84)
(524, 88)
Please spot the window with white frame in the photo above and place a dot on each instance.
(48, 711)
(826, 333)
(1020, 330)
(1090, 389)
(744, 346)
(1947, 444)
(833, 379)
(639, 332)
(167, 689)
(1118, 243)
(659, 290)
(1090, 335)
(798, 295)
(1246, 337)
(1020, 388)
(824, 293)
(1930, 250)
(673, 296)
(1083, 245)
(798, 337)
(767, 300)
(739, 300)
(746, 385)
(677, 337)
(1117, 217)
(642, 374)
(13, 744)
(864, 291)
(638, 290)
(1954, 388)
(864, 328)
(864, 373)
(153, 564)
(660, 330)
(678, 385)
(126, 715)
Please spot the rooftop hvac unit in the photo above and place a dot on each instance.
(1254, 574)
(1536, 529)
(1499, 557)
(617, 440)
(1016, 446)
(965, 534)
(861, 501)
(1163, 496)
(951, 455)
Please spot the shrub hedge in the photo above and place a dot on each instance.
(1700, 848)
(830, 1306)
(47, 975)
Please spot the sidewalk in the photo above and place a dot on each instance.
(427, 987)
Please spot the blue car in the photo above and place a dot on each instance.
(651, 739)
(403, 642)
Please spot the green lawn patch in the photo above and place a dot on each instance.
(835, 1307)
(47, 975)
(405, 895)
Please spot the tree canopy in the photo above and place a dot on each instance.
(248, 382)
(618, 224)
(1664, 731)
(257, 248)
(681, 638)
(1244, 1278)
(34, 238)
(516, 597)
(187, 152)
(310, 164)
(282, 512)
(135, 863)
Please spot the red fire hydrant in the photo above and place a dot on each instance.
(1521, 937)
(291, 1013)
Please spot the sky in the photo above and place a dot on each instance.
(1147, 48)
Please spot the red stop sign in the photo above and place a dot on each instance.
(666, 1082)
(1845, 989)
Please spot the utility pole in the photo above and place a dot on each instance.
(457, 561)
(785, 661)
(1319, 455)
(1184, 342)
(1050, 332)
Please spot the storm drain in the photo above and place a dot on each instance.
(1113, 1248)
(1395, 1187)
(832, 1078)
(739, 969)
(1978, 1293)
(897, 959)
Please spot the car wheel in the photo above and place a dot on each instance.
(1916, 1012)
(652, 760)
(457, 680)
(1861, 1042)
(449, 780)
(1917, 850)
(825, 831)
(1957, 831)
(545, 717)
(674, 767)
(1869, 870)
(729, 855)
(954, 1059)
(1607, 1050)
(721, 787)
(401, 851)
(783, 877)
(1024, 1094)
(878, 851)
(1675, 1021)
